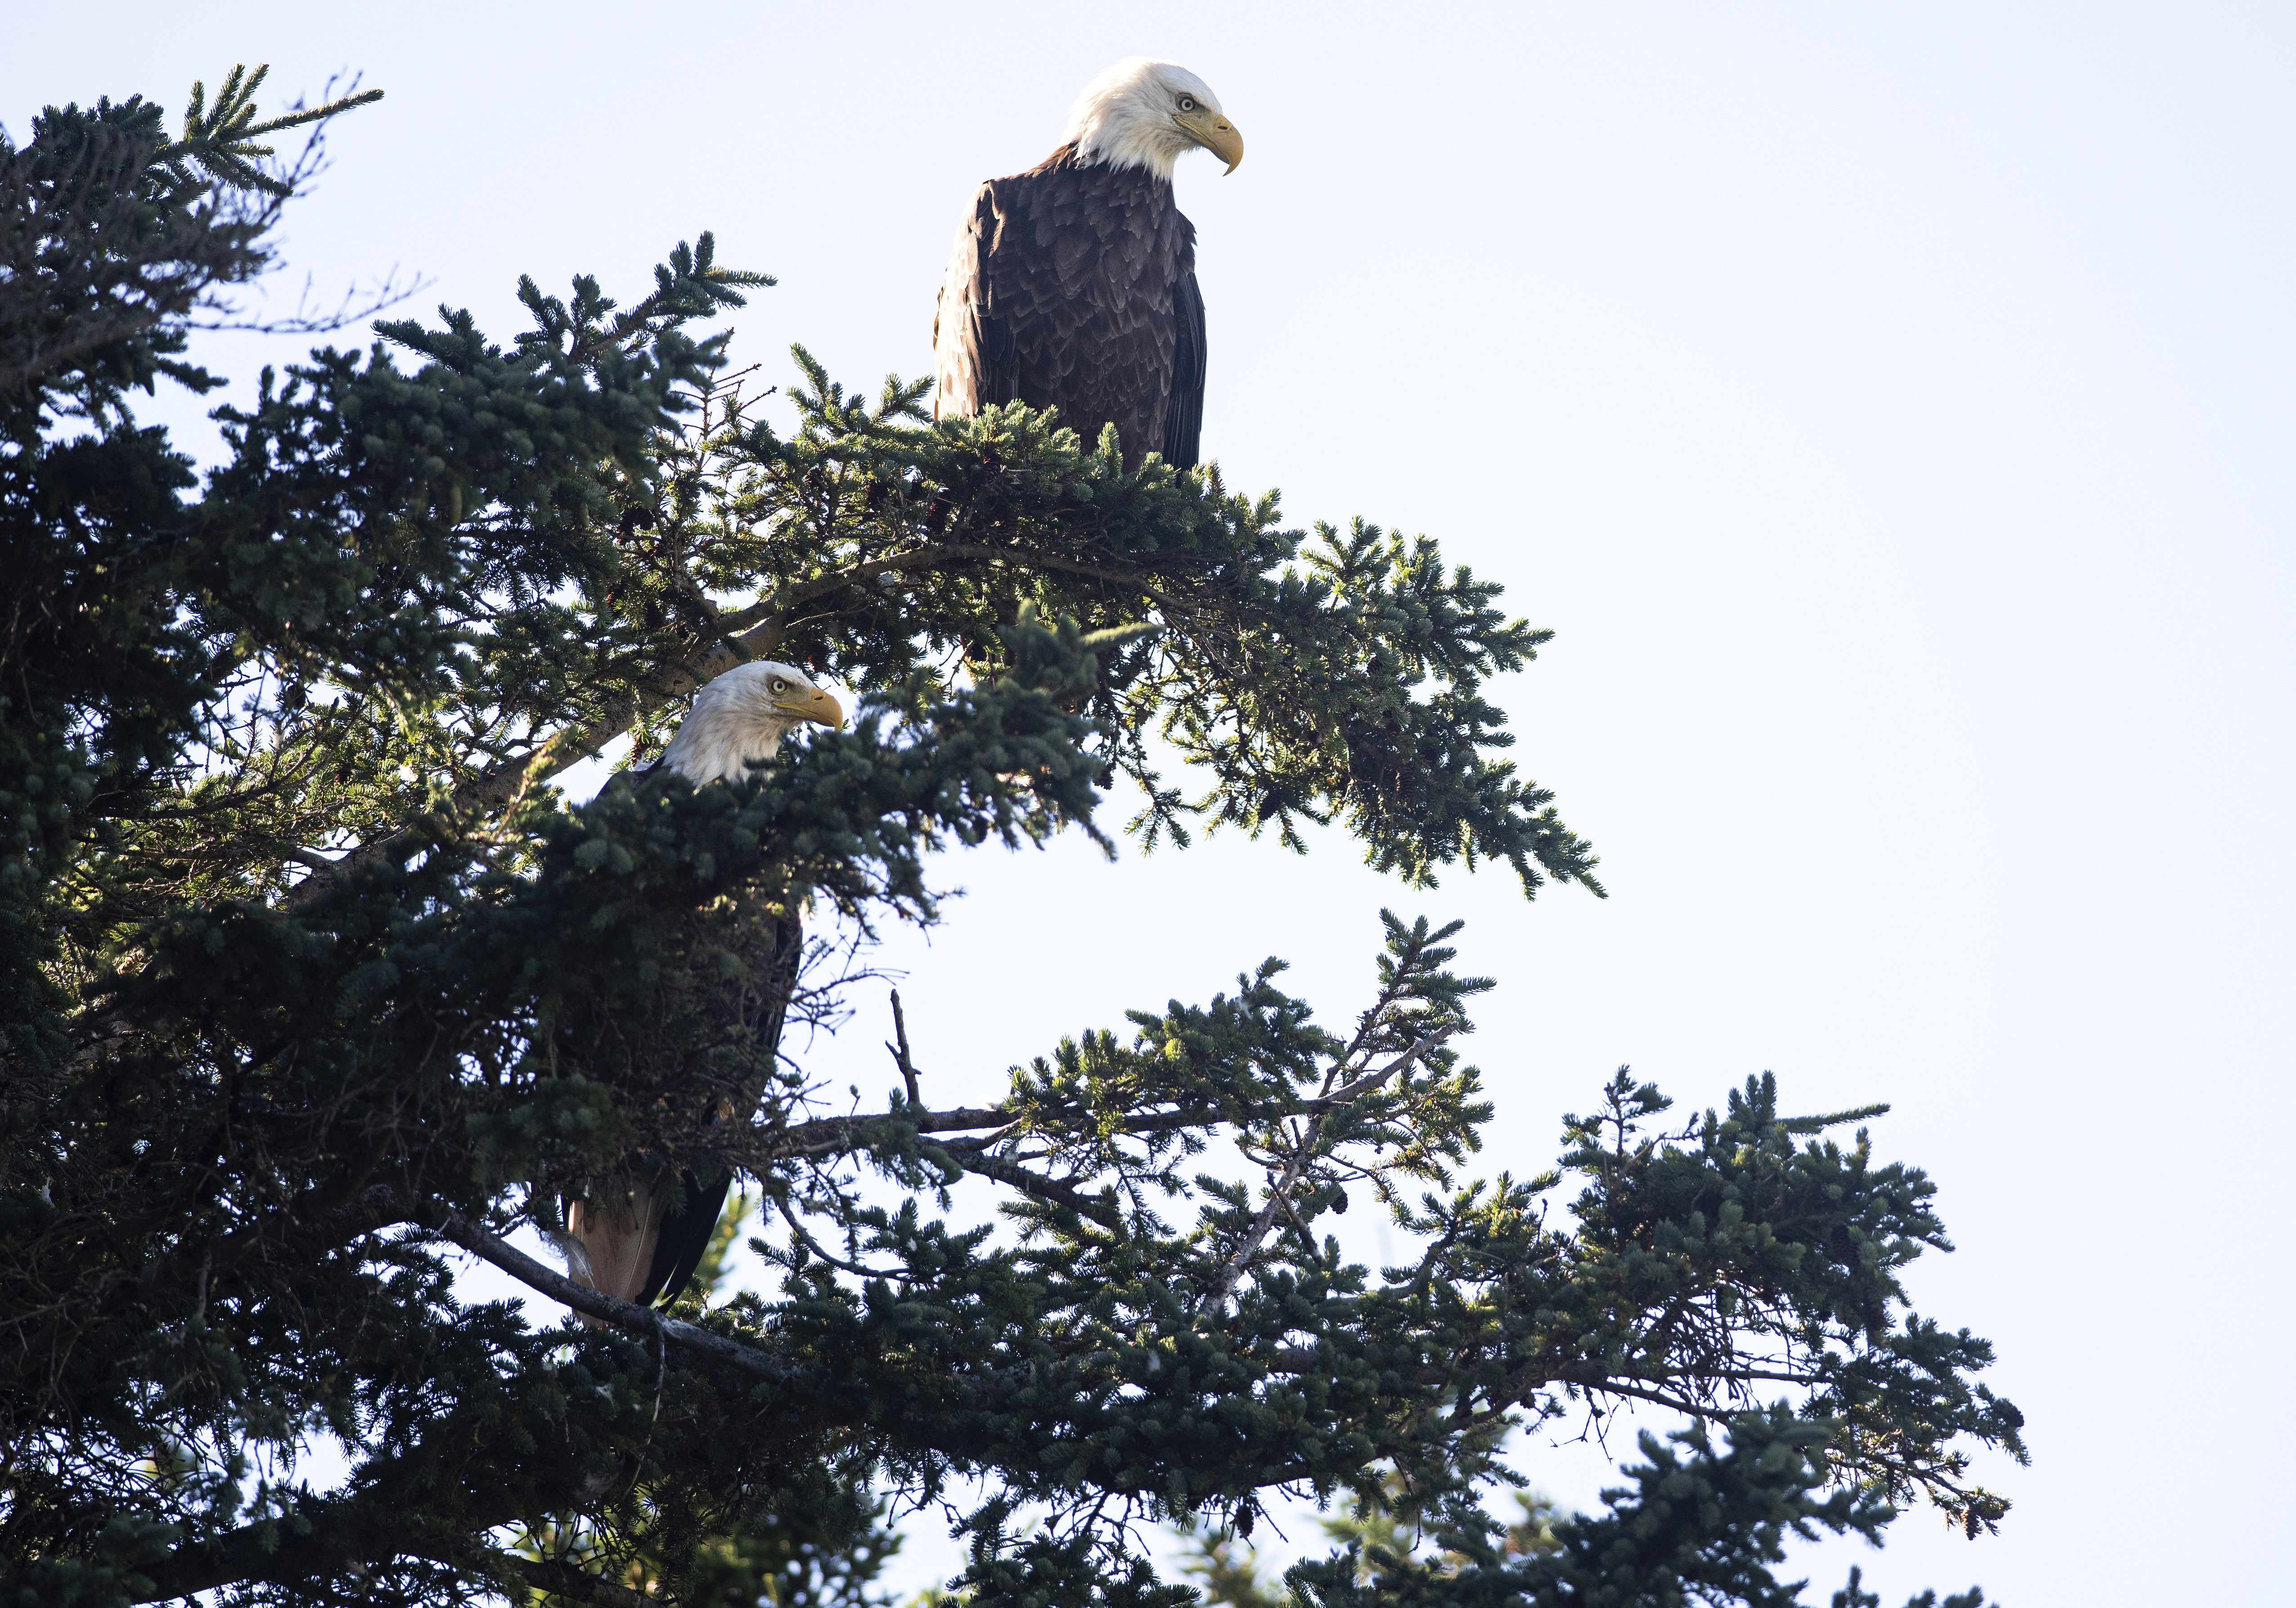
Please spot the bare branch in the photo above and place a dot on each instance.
(352, 309)
(900, 1049)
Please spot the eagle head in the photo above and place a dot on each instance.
(741, 716)
(1144, 114)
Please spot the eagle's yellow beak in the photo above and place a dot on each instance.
(816, 705)
(1214, 134)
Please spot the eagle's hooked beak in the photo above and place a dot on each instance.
(1214, 134)
(814, 705)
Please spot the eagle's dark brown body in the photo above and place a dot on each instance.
(641, 1233)
(1074, 287)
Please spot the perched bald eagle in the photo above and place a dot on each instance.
(640, 1235)
(1073, 285)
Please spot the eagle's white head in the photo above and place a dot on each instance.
(741, 716)
(1144, 114)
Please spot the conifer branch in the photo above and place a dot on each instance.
(221, 140)
(990, 1165)
(830, 1136)
(550, 1576)
(1304, 1152)
(627, 1315)
(284, 1233)
(745, 634)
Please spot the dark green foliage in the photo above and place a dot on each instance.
(311, 976)
(819, 1549)
(1700, 1528)
(1373, 1537)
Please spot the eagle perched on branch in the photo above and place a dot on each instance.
(1073, 285)
(639, 1234)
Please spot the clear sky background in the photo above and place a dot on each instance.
(1888, 405)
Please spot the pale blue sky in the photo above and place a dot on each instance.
(1888, 405)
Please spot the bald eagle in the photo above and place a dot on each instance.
(640, 1235)
(1073, 285)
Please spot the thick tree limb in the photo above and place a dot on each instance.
(270, 1553)
(830, 1134)
(565, 1580)
(627, 1315)
(335, 1536)
(360, 1534)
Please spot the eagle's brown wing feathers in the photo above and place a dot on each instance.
(1183, 415)
(1074, 287)
(644, 1232)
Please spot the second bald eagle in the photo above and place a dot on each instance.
(1073, 285)
(639, 1233)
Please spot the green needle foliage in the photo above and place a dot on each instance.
(315, 987)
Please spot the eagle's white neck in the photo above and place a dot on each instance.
(721, 742)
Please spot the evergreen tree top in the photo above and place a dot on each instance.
(313, 983)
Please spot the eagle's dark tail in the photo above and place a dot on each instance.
(686, 1231)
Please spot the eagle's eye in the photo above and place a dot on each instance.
(778, 685)
(1188, 102)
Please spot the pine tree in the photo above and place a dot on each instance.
(314, 984)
